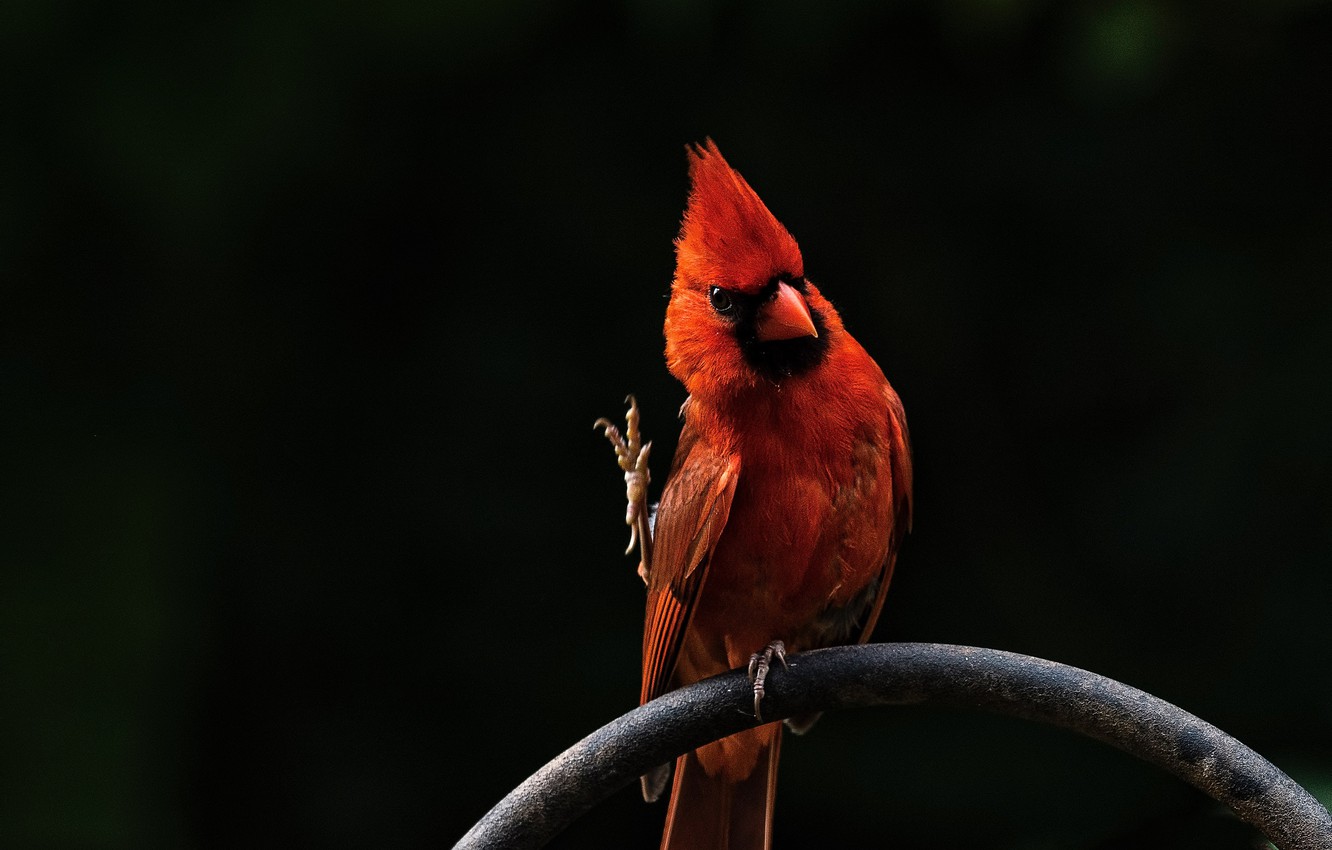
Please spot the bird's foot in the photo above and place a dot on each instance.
(759, 664)
(631, 453)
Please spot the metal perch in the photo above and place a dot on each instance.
(909, 674)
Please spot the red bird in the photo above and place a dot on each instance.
(790, 492)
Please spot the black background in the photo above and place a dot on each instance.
(308, 309)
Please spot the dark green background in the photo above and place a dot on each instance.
(307, 310)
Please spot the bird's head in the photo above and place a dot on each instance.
(742, 314)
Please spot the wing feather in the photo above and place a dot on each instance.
(693, 511)
(900, 470)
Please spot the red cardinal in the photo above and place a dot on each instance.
(788, 497)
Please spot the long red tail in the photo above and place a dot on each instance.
(727, 808)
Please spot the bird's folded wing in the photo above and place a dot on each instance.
(900, 470)
(690, 518)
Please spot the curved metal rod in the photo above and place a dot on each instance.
(909, 674)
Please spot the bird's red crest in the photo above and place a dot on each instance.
(729, 237)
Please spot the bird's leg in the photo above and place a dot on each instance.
(632, 455)
(759, 664)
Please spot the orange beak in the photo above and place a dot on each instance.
(785, 315)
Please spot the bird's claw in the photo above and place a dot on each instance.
(759, 664)
(631, 453)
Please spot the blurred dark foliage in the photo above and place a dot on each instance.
(306, 310)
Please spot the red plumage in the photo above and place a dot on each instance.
(787, 499)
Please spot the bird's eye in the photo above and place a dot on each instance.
(721, 300)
